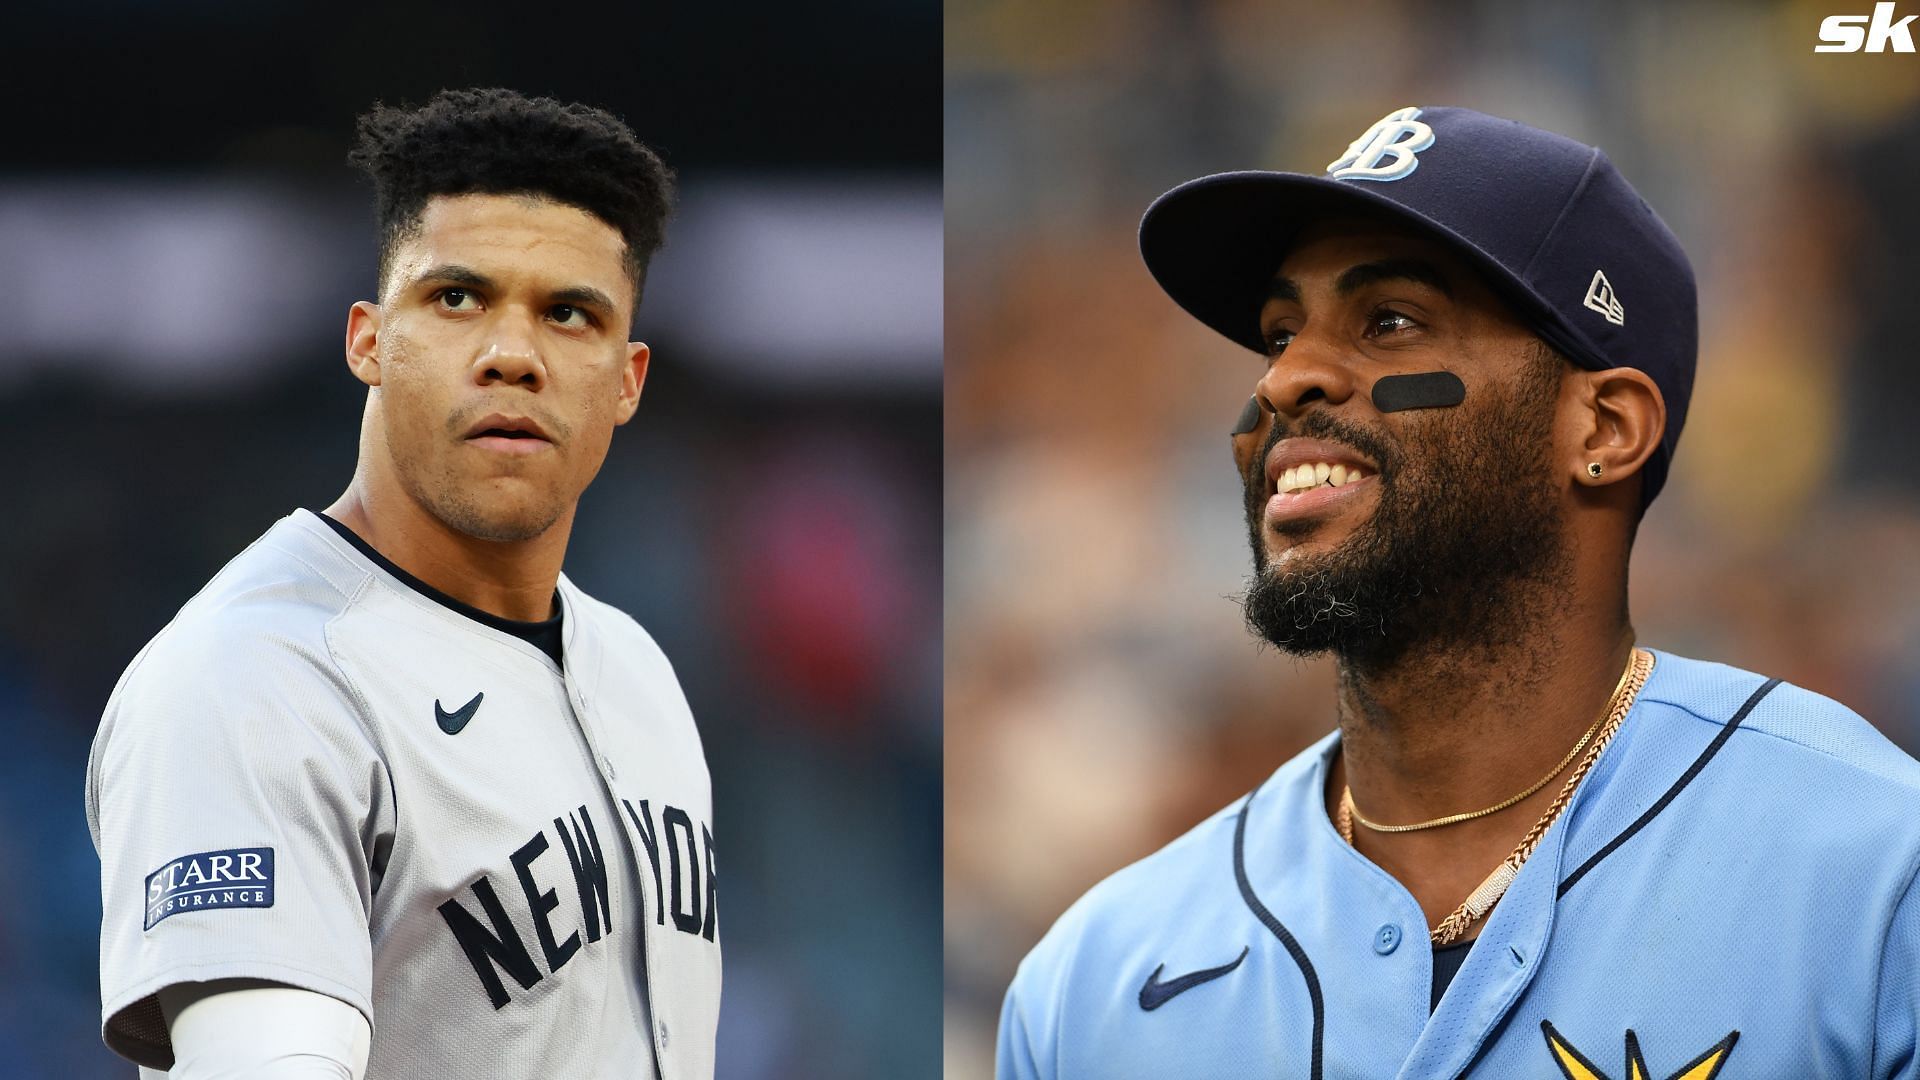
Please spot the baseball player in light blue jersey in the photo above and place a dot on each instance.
(1534, 847)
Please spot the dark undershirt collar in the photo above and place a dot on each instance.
(543, 634)
(1446, 964)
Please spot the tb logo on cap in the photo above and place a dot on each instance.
(1386, 151)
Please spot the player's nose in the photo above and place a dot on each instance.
(1313, 368)
(511, 355)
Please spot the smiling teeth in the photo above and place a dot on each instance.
(1304, 477)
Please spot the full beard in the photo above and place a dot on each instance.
(1464, 552)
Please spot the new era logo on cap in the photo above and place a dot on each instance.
(1600, 298)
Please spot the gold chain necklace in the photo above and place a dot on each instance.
(1482, 899)
(1454, 819)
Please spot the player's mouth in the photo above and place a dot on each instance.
(502, 433)
(1312, 476)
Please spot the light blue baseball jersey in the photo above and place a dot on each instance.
(1728, 894)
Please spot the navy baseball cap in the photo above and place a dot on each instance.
(1556, 229)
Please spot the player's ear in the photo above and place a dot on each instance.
(363, 341)
(1623, 418)
(632, 377)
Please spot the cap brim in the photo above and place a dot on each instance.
(1214, 244)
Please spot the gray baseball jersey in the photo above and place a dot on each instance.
(320, 775)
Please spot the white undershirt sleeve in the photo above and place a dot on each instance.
(252, 1029)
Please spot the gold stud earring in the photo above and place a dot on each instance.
(1593, 469)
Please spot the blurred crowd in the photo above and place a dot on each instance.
(1101, 695)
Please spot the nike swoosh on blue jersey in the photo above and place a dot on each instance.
(452, 722)
(1155, 993)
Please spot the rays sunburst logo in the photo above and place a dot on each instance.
(1575, 1066)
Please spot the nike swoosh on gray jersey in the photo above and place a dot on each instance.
(452, 722)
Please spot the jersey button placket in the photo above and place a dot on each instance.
(586, 727)
(1386, 939)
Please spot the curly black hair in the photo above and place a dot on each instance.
(501, 142)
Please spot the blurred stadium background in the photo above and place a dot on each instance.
(179, 241)
(1101, 696)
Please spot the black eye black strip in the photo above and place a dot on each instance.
(1427, 390)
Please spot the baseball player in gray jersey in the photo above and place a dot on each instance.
(391, 797)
